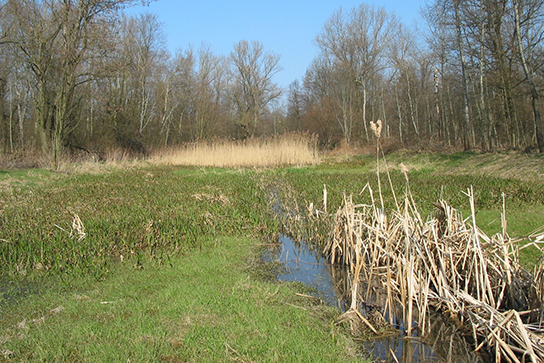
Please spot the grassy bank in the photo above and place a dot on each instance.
(207, 306)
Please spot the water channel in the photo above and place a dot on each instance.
(441, 344)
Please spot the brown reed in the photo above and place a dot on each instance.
(446, 264)
(288, 149)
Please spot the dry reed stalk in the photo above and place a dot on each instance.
(325, 210)
(537, 240)
(445, 264)
(78, 229)
(289, 149)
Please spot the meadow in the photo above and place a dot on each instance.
(158, 261)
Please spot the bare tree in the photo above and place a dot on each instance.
(466, 105)
(168, 103)
(146, 52)
(253, 89)
(205, 97)
(320, 107)
(295, 106)
(56, 39)
(531, 10)
(480, 65)
(405, 56)
(356, 43)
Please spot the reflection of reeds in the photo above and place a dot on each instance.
(445, 264)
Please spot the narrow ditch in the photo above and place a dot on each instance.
(331, 283)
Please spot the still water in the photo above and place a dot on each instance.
(441, 344)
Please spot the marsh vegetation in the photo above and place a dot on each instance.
(162, 255)
(408, 266)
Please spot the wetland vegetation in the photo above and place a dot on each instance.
(153, 181)
(155, 262)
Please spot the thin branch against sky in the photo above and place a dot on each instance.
(286, 27)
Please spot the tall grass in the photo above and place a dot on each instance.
(290, 149)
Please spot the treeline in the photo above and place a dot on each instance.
(79, 75)
(472, 79)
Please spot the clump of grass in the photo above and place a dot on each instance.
(290, 149)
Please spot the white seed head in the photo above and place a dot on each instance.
(376, 128)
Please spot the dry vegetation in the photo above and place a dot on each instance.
(291, 149)
(445, 264)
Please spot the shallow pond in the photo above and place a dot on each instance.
(441, 343)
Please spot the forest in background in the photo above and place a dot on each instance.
(80, 77)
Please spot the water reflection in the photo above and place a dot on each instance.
(306, 266)
(442, 341)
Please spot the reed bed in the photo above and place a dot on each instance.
(444, 264)
(290, 149)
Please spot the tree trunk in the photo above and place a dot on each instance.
(10, 119)
(411, 105)
(466, 109)
(486, 118)
(529, 77)
(364, 113)
(439, 132)
(399, 112)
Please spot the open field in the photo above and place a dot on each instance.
(153, 262)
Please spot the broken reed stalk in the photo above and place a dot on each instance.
(444, 264)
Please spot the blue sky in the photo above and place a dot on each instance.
(285, 27)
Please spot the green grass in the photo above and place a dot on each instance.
(206, 306)
(125, 213)
(10, 179)
(168, 249)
